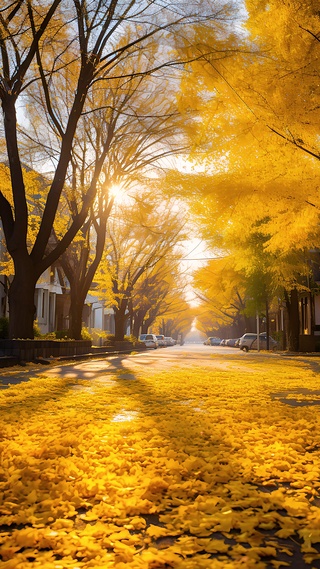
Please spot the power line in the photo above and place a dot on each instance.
(203, 259)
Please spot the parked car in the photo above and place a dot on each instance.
(231, 342)
(249, 342)
(212, 341)
(223, 342)
(150, 340)
(273, 344)
(246, 341)
(169, 341)
(161, 341)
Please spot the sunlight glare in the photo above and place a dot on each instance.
(117, 192)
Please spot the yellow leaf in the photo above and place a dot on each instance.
(156, 531)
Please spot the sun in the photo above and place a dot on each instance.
(121, 194)
(116, 191)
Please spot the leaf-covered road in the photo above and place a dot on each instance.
(176, 459)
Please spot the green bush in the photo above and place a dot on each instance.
(36, 330)
(97, 336)
(49, 336)
(131, 339)
(62, 335)
(59, 335)
(85, 334)
(108, 340)
(4, 328)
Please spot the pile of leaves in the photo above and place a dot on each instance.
(191, 468)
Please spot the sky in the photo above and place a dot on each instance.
(197, 254)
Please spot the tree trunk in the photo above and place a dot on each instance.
(162, 329)
(144, 328)
(21, 303)
(293, 330)
(147, 323)
(267, 324)
(120, 319)
(75, 312)
(137, 323)
(80, 269)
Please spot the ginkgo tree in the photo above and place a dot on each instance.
(253, 271)
(248, 135)
(207, 323)
(34, 185)
(37, 41)
(254, 119)
(177, 320)
(285, 71)
(141, 128)
(221, 289)
(153, 295)
(267, 80)
(140, 235)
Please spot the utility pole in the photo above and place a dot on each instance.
(258, 332)
(267, 324)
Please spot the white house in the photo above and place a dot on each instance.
(47, 289)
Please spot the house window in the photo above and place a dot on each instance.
(43, 308)
(42, 305)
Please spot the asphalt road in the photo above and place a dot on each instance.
(153, 360)
(188, 355)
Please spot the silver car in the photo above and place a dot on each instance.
(249, 342)
(150, 340)
(161, 341)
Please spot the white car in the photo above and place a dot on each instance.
(161, 341)
(150, 340)
(169, 341)
(249, 342)
(212, 341)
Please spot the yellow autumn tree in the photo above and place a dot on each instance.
(242, 99)
(141, 234)
(177, 318)
(222, 291)
(250, 178)
(38, 41)
(156, 292)
(36, 186)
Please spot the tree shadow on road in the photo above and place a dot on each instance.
(187, 450)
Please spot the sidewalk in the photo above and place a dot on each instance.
(13, 373)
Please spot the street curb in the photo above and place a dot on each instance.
(9, 361)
